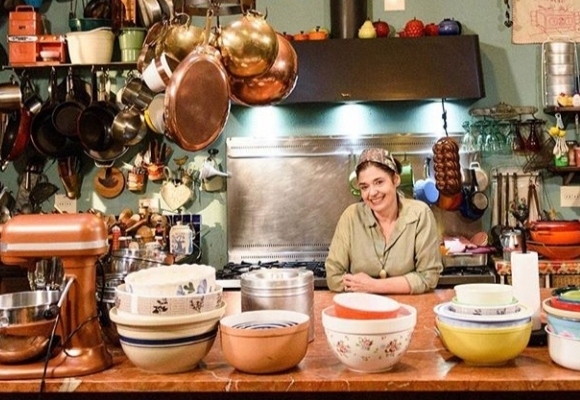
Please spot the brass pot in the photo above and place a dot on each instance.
(272, 86)
(248, 45)
(180, 38)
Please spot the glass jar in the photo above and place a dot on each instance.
(572, 160)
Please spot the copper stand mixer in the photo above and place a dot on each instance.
(79, 240)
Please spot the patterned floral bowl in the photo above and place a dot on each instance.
(167, 306)
(172, 280)
(369, 346)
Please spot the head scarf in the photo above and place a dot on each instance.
(380, 156)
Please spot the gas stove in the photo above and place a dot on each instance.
(452, 276)
(229, 276)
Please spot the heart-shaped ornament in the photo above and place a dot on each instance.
(175, 196)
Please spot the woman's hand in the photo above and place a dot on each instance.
(359, 282)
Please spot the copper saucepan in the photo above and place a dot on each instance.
(202, 80)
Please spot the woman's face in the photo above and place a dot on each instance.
(378, 188)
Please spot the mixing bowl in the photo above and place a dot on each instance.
(167, 344)
(365, 306)
(484, 294)
(369, 345)
(484, 346)
(264, 341)
(172, 280)
(167, 305)
(563, 350)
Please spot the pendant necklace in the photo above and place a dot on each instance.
(382, 259)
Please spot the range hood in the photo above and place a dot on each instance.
(393, 69)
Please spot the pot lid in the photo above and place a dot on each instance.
(277, 278)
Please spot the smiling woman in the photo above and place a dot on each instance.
(396, 248)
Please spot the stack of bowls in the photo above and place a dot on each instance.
(115, 269)
(167, 317)
(367, 332)
(563, 326)
(484, 324)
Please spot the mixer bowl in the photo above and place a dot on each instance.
(26, 322)
(27, 307)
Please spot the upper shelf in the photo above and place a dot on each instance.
(434, 67)
(45, 65)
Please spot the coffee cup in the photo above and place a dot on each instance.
(159, 72)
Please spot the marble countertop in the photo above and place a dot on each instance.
(426, 367)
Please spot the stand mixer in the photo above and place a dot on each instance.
(79, 240)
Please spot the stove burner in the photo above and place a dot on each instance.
(234, 270)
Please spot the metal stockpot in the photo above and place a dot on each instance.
(279, 289)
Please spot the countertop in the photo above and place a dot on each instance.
(426, 367)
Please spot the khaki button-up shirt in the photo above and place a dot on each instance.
(412, 250)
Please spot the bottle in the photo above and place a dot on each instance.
(572, 161)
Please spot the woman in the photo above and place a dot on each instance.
(387, 243)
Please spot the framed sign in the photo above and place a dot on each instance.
(538, 21)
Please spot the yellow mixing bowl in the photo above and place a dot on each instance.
(484, 346)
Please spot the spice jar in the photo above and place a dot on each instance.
(572, 159)
(180, 240)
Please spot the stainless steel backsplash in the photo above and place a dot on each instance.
(285, 195)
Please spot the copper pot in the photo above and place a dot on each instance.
(248, 45)
(274, 85)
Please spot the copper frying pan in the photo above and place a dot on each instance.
(197, 101)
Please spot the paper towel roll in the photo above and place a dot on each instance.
(526, 282)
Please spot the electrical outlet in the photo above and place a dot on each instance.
(394, 5)
(152, 204)
(570, 196)
(64, 204)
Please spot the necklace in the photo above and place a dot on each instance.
(382, 257)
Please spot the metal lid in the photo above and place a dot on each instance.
(277, 278)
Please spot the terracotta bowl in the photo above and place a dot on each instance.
(365, 306)
(555, 252)
(555, 237)
(264, 341)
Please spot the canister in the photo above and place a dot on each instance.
(289, 289)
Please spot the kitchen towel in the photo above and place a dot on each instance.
(526, 283)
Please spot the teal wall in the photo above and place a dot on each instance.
(511, 74)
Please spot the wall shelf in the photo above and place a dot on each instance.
(568, 113)
(567, 173)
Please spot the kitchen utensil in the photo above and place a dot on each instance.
(248, 45)
(553, 251)
(81, 46)
(41, 192)
(65, 115)
(129, 126)
(109, 182)
(272, 86)
(44, 136)
(475, 202)
(199, 79)
(10, 96)
(95, 122)
(180, 37)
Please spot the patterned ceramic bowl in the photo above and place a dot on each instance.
(163, 306)
(369, 346)
(457, 307)
(172, 280)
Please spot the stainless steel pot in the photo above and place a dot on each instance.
(279, 289)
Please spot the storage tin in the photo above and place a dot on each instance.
(279, 289)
